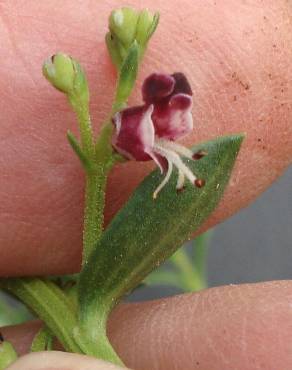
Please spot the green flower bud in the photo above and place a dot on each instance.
(122, 24)
(126, 27)
(59, 71)
(144, 27)
(66, 75)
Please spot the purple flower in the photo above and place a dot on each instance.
(148, 132)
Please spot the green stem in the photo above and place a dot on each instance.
(101, 349)
(93, 212)
(85, 128)
(8, 355)
(42, 341)
(50, 304)
(96, 180)
(190, 278)
(201, 248)
(53, 307)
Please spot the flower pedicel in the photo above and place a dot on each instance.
(148, 132)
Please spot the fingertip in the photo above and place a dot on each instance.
(60, 361)
(233, 327)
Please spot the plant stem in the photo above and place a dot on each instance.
(85, 128)
(93, 212)
(42, 340)
(7, 355)
(50, 304)
(200, 248)
(191, 281)
(99, 164)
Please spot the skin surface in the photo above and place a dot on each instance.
(237, 56)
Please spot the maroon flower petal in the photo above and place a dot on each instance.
(182, 85)
(180, 102)
(173, 120)
(134, 134)
(157, 86)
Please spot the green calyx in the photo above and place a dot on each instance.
(67, 76)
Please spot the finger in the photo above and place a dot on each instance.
(60, 361)
(233, 327)
(237, 56)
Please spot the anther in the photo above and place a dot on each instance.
(180, 190)
(200, 154)
(200, 183)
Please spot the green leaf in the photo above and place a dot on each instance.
(145, 232)
(127, 76)
(85, 161)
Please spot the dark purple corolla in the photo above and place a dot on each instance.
(148, 132)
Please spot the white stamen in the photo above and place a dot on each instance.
(180, 180)
(171, 145)
(165, 180)
(176, 160)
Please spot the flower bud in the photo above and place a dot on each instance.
(122, 24)
(126, 27)
(66, 75)
(59, 70)
(146, 25)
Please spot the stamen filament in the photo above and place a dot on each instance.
(176, 160)
(180, 180)
(155, 159)
(175, 147)
(165, 180)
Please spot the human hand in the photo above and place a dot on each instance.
(237, 57)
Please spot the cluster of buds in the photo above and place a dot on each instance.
(127, 26)
(149, 131)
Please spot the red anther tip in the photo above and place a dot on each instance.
(180, 190)
(200, 154)
(200, 183)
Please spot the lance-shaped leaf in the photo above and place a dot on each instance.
(145, 232)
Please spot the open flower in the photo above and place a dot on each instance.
(148, 132)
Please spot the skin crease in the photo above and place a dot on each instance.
(237, 57)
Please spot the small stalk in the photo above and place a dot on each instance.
(191, 281)
(8, 354)
(93, 211)
(43, 340)
(50, 304)
(201, 248)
